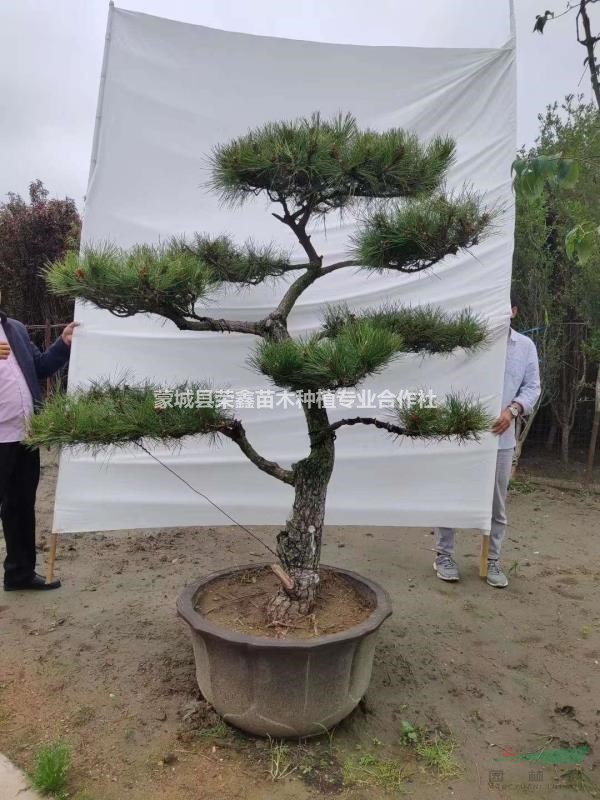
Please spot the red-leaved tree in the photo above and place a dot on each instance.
(32, 234)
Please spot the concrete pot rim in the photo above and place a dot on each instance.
(200, 624)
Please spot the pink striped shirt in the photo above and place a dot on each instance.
(16, 404)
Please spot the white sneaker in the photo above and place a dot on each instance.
(495, 576)
(445, 568)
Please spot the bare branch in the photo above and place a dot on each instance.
(262, 327)
(216, 325)
(587, 39)
(235, 431)
(589, 42)
(378, 423)
(303, 282)
(338, 265)
(199, 323)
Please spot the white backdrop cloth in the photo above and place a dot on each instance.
(169, 92)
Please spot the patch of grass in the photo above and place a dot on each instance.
(408, 733)
(329, 733)
(435, 752)
(370, 770)
(438, 755)
(220, 730)
(281, 765)
(521, 486)
(51, 769)
(514, 568)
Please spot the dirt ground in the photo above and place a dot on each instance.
(105, 665)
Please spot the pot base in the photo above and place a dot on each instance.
(283, 687)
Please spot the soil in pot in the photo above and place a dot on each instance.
(238, 602)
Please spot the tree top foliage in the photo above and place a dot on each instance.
(322, 165)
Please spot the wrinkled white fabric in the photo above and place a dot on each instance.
(171, 92)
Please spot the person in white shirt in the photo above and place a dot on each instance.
(520, 394)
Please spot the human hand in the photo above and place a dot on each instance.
(67, 334)
(4, 351)
(503, 422)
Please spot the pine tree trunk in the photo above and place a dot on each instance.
(299, 545)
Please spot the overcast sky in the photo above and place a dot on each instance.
(51, 53)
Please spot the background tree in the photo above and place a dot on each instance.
(583, 24)
(31, 235)
(583, 237)
(308, 168)
(557, 251)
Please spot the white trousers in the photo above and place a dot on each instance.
(445, 536)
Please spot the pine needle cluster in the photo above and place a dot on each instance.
(424, 329)
(116, 415)
(323, 165)
(414, 236)
(460, 417)
(168, 280)
(251, 264)
(358, 350)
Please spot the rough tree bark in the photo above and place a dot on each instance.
(299, 545)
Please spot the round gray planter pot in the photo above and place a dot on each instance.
(283, 687)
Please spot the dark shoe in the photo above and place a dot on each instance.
(35, 584)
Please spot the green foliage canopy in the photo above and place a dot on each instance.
(322, 165)
(309, 167)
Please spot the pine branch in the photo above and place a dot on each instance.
(303, 282)
(116, 415)
(415, 236)
(168, 280)
(313, 363)
(235, 431)
(396, 430)
(249, 265)
(297, 222)
(216, 325)
(424, 329)
(119, 415)
(145, 279)
(459, 418)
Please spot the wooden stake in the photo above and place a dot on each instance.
(483, 558)
(283, 576)
(51, 557)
